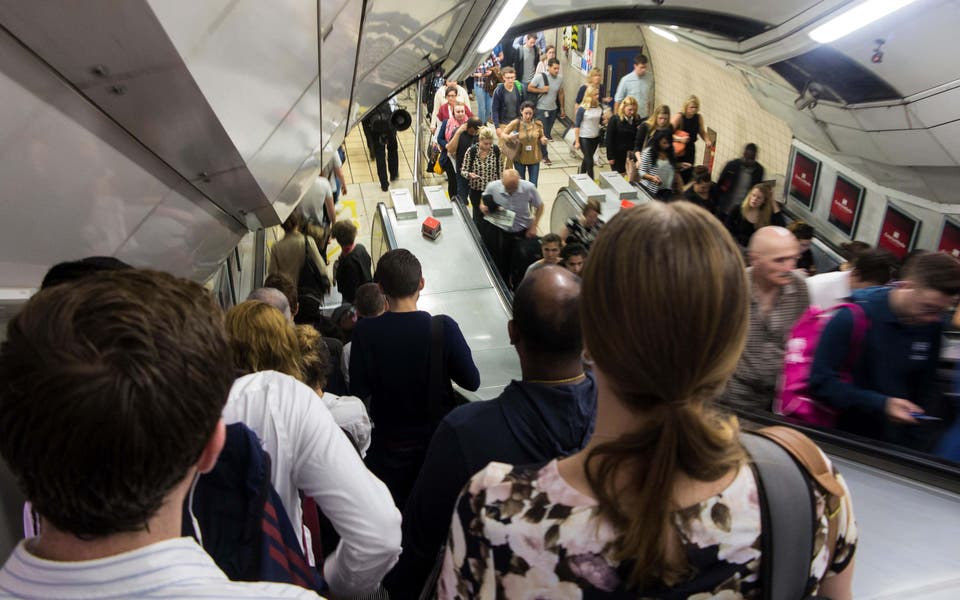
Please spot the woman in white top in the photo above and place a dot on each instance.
(587, 129)
(308, 451)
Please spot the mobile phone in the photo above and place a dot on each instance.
(923, 417)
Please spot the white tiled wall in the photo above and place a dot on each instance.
(727, 107)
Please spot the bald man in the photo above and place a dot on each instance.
(548, 414)
(778, 296)
(514, 207)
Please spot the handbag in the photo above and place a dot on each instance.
(511, 147)
(436, 165)
(311, 278)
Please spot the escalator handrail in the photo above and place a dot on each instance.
(386, 228)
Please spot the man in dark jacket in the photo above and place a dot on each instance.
(894, 376)
(737, 177)
(507, 99)
(548, 414)
(352, 269)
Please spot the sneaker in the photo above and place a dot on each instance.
(547, 162)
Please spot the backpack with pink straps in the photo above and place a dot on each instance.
(793, 397)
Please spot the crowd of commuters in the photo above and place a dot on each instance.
(121, 388)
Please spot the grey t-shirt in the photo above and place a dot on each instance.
(548, 101)
(528, 62)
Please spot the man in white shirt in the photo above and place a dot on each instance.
(309, 453)
(635, 84)
(111, 391)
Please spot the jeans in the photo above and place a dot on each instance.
(385, 151)
(484, 104)
(548, 118)
(529, 172)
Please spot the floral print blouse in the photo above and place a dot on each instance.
(524, 533)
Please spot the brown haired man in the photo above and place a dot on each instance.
(894, 375)
(111, 392)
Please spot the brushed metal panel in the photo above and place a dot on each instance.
(903, 545)
(143, 85)
(252, 60)
(340, 24)
(72, 183)
(479, 313)
(182, 237)
(451, 262)
(280, 161)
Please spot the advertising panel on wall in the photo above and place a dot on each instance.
(803, 179)
(845, 205)
(950, 238)
(898, 232)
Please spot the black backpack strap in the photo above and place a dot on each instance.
(787, 519)
(436, 383)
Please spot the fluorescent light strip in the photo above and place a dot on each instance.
(501, 24)
(664, 33)
(855, 18)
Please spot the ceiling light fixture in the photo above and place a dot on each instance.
(855, 18)
(508, 14)
(664, 33)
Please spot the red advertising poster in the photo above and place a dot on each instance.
(897, 232)
(950, 238)
(803, 178)
(845, 205)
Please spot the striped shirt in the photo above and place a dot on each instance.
(176, 568)
(754, 382)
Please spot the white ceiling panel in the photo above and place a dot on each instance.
(915, 147)
(917, 53)
(938, 109)
(949, 137)
(886, 118)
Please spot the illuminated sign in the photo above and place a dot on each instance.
(845, 206)
(950, 238)
(898, 232)
(803, 179)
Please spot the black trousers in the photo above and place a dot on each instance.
(589, 147)
(385, 151)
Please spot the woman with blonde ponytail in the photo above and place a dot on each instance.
(662, 502)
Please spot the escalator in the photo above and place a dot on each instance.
(460, 281)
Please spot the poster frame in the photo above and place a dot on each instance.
(912, 243)
(947, 220)
(816, 178)
(857, 212)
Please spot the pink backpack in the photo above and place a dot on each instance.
(793, 399)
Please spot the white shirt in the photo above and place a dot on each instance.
(829, 289)
(177, 568)
(350, 413)
(310, 453)
(312, 206)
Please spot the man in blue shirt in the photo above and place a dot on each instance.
(636, 84)
(894, 375)
(549, 414)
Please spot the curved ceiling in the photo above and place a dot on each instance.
(899, 117)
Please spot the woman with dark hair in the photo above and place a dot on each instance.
(529, 133)
(663, 501)
(658, 167)
(585, 228)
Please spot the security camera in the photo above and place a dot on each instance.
(658, 2)
(877, 56)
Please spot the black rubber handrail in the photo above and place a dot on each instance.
(506, 295)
